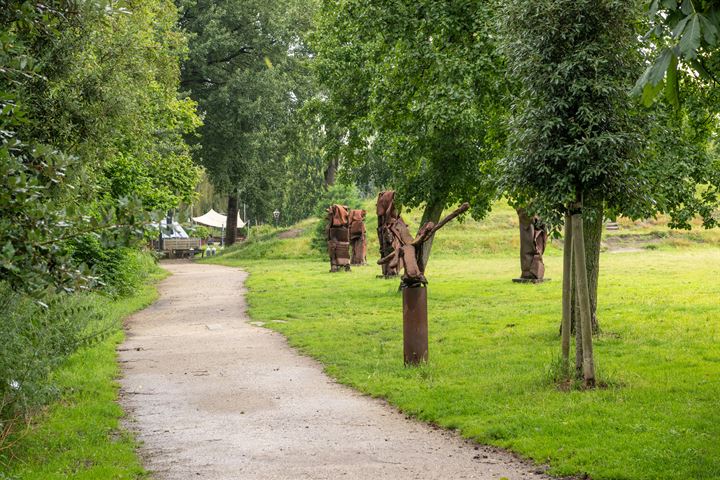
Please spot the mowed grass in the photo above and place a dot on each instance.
(80, 436)
(493, 342)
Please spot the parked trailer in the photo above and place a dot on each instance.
(181, 247)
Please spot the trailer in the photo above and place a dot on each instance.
(181, 247)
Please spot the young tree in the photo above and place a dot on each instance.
(573, 138)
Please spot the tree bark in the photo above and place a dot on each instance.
(330, 173)
(583, 295)
(232, 214)
(593, 211)
(432, 213)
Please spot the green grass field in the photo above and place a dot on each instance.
(80, 437)
(493, 344)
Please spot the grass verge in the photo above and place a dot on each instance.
(80, 436)
(493, 344)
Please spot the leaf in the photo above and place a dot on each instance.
(657, 70)
(650, 92)
(687, 7)
(652, 11)
(670, 4)
(709, 30)
(690, 40)
(672, 88)
(680, 27)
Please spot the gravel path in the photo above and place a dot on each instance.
(213, 397)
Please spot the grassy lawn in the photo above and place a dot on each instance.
(80, 437)
(492, 344)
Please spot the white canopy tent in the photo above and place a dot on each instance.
(217, 220)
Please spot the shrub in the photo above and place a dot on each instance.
(36, 335)
(35, 338)
(118, 271)
(199, 231)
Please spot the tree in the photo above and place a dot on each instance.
(243, 67)
(682, 49)
(414, 86)
(91, 131)
(572, 134)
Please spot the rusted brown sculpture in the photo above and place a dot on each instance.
(533, 239)
(409, 253)
(338, 237)
(358, 237)
(387, 216)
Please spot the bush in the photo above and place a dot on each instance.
(37, 335)
(199, 231)
(337, 194)
(35, 338)
(118, 271)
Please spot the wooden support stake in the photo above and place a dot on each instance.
(583, 294)
(567, 290)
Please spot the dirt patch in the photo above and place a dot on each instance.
(235, 401)
(292, 233)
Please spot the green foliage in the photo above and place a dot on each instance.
(38, 337)
(684, 33)
(199, 231)
(681, 49)
(573, 132)
(412, 94)
(91, 131)
(245, 70)
(80, 436)
(118, 271)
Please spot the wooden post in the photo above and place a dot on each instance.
(567, 290)
(415, 325)
(583, 294)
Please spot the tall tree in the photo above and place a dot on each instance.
(413, 85)
(573, 137)
(242, 70)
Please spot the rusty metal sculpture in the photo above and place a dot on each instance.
(533, 239)
(338, 237)
(387, 216)
(412, 255)
(358, 237)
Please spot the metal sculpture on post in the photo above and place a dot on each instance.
(387, 216)
(338, 237)
(411, 255)
(358, 237)
(533, 239)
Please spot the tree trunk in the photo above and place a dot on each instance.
(432, 213)
(592, 232)
(583, 295)
(232, 214)
(330, 173)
